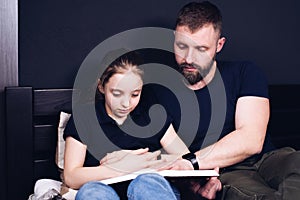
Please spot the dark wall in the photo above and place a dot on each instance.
(8, 73)
(265, 32)
(55, 36)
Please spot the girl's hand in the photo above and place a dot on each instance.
(119, 155)
(131, 162)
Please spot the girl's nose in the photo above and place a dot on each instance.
(125, 102)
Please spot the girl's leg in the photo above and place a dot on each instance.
(95, 190)
(151, 186)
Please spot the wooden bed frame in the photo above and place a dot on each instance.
(32, 117)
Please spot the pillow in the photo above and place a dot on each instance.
(44, 186)
(60, 148)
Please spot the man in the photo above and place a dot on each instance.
(245, 172)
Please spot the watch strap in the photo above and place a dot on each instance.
(192, 158)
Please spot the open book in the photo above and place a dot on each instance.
(70, 195)
(165, 173)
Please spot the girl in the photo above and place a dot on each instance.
(121, 85)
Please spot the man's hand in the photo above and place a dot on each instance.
(179, 164)
(210, 189)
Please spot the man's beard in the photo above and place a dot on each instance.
(199, 75)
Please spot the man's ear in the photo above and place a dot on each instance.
(220, 44)
(100, 87)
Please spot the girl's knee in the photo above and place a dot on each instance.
(96, 190)
(150, 180)
(150, 186)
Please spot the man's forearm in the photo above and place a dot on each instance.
(228, 151)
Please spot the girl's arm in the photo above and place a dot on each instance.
(75, 175)
(172, 143)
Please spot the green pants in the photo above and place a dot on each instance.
(275, 176)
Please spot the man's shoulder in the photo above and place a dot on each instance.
(245, 76)
(234, 65)
(239, 69)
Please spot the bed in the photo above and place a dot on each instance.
(32, 117)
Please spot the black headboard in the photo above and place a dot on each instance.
(32, 118)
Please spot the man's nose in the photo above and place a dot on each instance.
(188, 57)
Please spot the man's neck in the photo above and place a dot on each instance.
(206, 80)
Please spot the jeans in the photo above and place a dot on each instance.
(145, 186)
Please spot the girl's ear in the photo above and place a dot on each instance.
(100, 87)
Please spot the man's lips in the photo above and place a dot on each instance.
(189, 68)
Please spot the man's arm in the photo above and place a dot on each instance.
(251, 119)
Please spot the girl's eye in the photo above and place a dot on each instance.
(116, 94)
(135, 94)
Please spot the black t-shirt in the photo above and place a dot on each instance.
(122, 136)
(217, 102)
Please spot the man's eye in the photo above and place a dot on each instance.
(181, 46)
(201, 49)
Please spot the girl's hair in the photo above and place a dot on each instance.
(126, 62)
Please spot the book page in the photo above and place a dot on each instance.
(165, 173)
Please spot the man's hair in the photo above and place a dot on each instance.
(195, 15)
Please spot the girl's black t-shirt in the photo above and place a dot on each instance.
(138, 131)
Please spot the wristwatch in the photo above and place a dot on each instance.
(192, 158)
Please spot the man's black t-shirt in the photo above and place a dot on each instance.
(217, 102)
